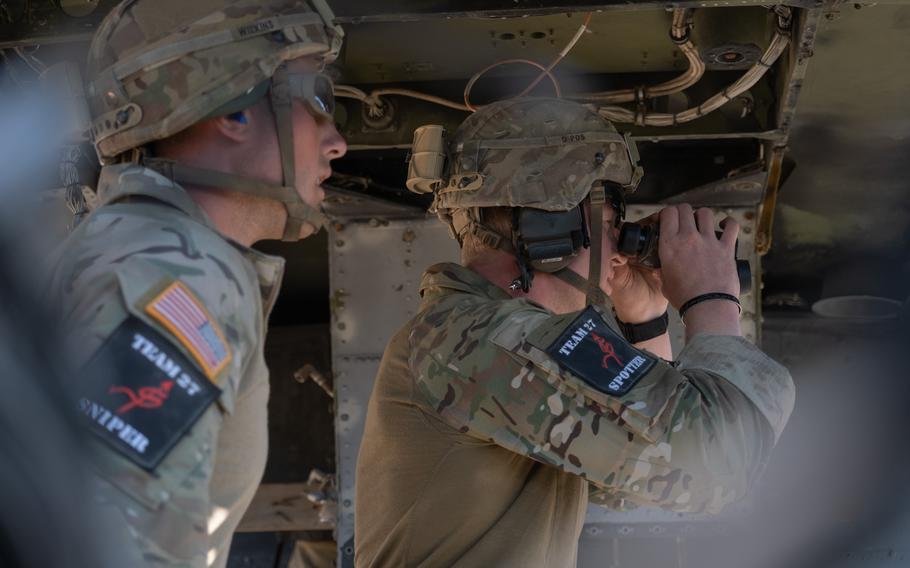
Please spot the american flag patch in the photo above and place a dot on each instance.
(181, 313)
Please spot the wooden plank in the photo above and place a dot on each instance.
(283, 507)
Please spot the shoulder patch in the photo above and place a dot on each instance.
(590, 349)
(180, 312)
(141, 394)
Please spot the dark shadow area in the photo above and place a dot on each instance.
(304, 296)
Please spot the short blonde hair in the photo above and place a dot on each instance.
(496, 219)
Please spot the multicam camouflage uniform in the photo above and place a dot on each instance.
(166, 315)
(482, 447)
(147, 235)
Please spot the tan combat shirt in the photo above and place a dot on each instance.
(480, 450)
(147, 243)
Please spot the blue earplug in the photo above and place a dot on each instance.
(238, 117)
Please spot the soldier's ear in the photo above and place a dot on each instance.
(235, 126)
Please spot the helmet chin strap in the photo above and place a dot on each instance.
(590, 286)
(598, 198)
(592, 295)
(298, 211)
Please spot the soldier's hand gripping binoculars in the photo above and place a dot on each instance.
(638, 241)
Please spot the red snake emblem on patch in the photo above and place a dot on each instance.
(148, 397)
(608, 350)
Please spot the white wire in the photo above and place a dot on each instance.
(615, 113)
(372, 99)
(746, 82)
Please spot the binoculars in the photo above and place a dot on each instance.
(638, 241)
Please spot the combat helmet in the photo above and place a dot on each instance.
(156, 67)
(544, 157)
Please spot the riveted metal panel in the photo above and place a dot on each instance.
(353, 383)
(375, 272)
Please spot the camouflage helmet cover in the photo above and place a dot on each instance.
(533, 152)
(157, 67)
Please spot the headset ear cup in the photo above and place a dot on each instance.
(550, 239)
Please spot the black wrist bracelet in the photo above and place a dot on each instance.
(710, 296)
(638, 332)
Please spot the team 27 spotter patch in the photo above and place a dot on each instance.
(591, 350)
(141, 394)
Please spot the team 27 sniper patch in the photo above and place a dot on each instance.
(598, 355)
(142, 394)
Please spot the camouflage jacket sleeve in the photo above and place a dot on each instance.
(689, 437)
(106, 285)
